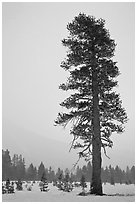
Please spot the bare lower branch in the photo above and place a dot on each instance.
(74, 165)
(105, 151)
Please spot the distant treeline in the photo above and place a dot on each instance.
(14, 168)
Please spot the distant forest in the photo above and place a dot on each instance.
(14, 168)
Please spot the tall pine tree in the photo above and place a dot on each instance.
(41, 170)
(31, 173)
(95, 108)
(6, 165)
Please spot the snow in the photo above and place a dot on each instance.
(116, 193)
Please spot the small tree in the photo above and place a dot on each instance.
(6, 165)
(95, 108)
(67, 178)
(83, 184)
(58, 173)
(89, 172)
(44, 177)
(112, 180)
(60, 177)
(30, 172)
(41, 170)
(133, 174)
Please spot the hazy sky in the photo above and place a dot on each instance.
(32, 53)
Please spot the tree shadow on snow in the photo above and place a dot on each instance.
(120, 194)
(116, 194)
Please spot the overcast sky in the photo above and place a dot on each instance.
(32, 53)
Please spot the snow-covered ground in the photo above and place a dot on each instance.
(117, 193)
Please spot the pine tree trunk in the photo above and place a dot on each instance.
(96, 184)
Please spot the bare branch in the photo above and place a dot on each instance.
(105, 151)
(74, 165)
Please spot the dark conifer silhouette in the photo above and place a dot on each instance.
(133, 174)
(41, 170)
(111, 172)
(31, 173)
(83, 184)
(6, 165)
(95, 108)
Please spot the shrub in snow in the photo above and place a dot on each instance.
(29, 187)
(19, 185)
